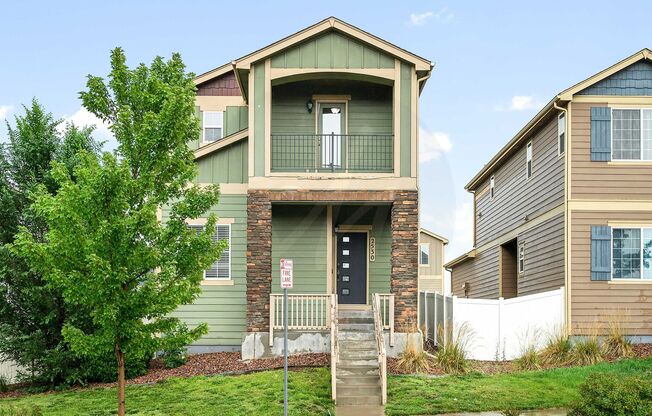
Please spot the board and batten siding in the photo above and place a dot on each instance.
(544, 257)
(595, 301)
(481, 274)
(516, 196)
(369, 109)
(223, 307)
(332, 50)
(602, 180)
(299, 233)
(227, 165)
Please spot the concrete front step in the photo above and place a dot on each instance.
(359, 390)
(356, 370)
(361, 354)
(368, 314)
(355, 320)
(359, 400)
(347, 335)
(352, 380)
(357, 362)
(356, 327)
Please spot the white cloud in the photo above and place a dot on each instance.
(420, 19)
(520, 103)
(5, 110)
(432, 145)
(463, 225)
(83, 117)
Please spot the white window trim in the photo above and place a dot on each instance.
(209, 126)
(529, 160)
(208, 281)
(629, 279)
(521, 252)
(559, 133)
(230, 258)
(428, 247)
(639, 160)
(492, 187)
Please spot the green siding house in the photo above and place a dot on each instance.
(313, 141)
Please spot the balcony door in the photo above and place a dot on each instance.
(332, 119)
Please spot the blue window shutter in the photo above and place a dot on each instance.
(600, 134)
(600, 252)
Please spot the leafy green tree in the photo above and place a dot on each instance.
(105, 247)
(32, 313)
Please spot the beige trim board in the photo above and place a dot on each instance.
(252, 124)
(329, 175)
(609, 205)
(646, 163)
(397, 117)
(207, 149)
(202, 221)
(414, 128)
(614, 100)
(214, 73)
(327, 97)
(268, 118)
(218, 103)
(630, 282)
(382, 73)
(433, 235)
(353, 228)
(629, 224)
(460, 259)
(217, 282)
(328, 184)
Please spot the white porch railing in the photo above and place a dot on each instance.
(335, 348)
(305, 313)
(380, 344)
(386, 309)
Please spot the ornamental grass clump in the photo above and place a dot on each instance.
(452, 347)
(413, 359)
(615, 342)
(557, 349)
(586, 351)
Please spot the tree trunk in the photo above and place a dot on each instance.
(120, 358)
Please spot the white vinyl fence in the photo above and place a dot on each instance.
(500, 329)
(8, 371)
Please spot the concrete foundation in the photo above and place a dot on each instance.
(256, 344)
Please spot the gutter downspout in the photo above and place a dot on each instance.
(421, 82)
(567, 300)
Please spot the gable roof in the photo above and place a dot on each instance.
(220, 144)
(554, 105)
(329, 24)
(433, 235)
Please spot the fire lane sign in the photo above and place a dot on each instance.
(287, 266)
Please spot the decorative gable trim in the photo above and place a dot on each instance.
(222, 143)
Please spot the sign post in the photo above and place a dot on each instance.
(287, 266)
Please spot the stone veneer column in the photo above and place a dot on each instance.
(259, 260)
(405, 266)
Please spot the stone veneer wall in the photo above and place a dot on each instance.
(259, 260)
(405, 266)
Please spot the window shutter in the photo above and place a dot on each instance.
(600, 252)
(200, 116)
(600, 134)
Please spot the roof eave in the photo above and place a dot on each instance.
(460, 259)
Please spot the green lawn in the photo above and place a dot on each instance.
(251, 394)
(262, 393)
(414, 395)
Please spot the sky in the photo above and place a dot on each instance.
(496, 64)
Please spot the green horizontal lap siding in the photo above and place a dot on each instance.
(235, 119)
(299, 233)
(379, 219)
(332, 50)
(227, 165)
(259, 119)
(406, 120)
(223, 308)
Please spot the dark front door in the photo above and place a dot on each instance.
(352, 268)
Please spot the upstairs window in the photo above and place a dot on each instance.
(221, 269)
(631, 253)
(521, 259)
(492, 185)
(561, 134)
(529, 160)
(213, 126)
(631, 134)
(424, 254)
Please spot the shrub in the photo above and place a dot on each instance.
(586, 351)
(557, 349)
(615, 343)
(413, 359)
(529, 359)
(4, 385)
(20, 411)
(175, 357)
(613, 394)
(451, 355)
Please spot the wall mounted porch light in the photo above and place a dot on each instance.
(309, 105)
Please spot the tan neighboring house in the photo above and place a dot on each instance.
(568, 202)
(431, 261)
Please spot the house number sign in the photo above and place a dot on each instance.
(372, 249)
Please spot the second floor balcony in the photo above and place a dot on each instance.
(332, 153)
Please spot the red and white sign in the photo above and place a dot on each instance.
(287, 266)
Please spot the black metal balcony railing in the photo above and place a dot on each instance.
(332, 152)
